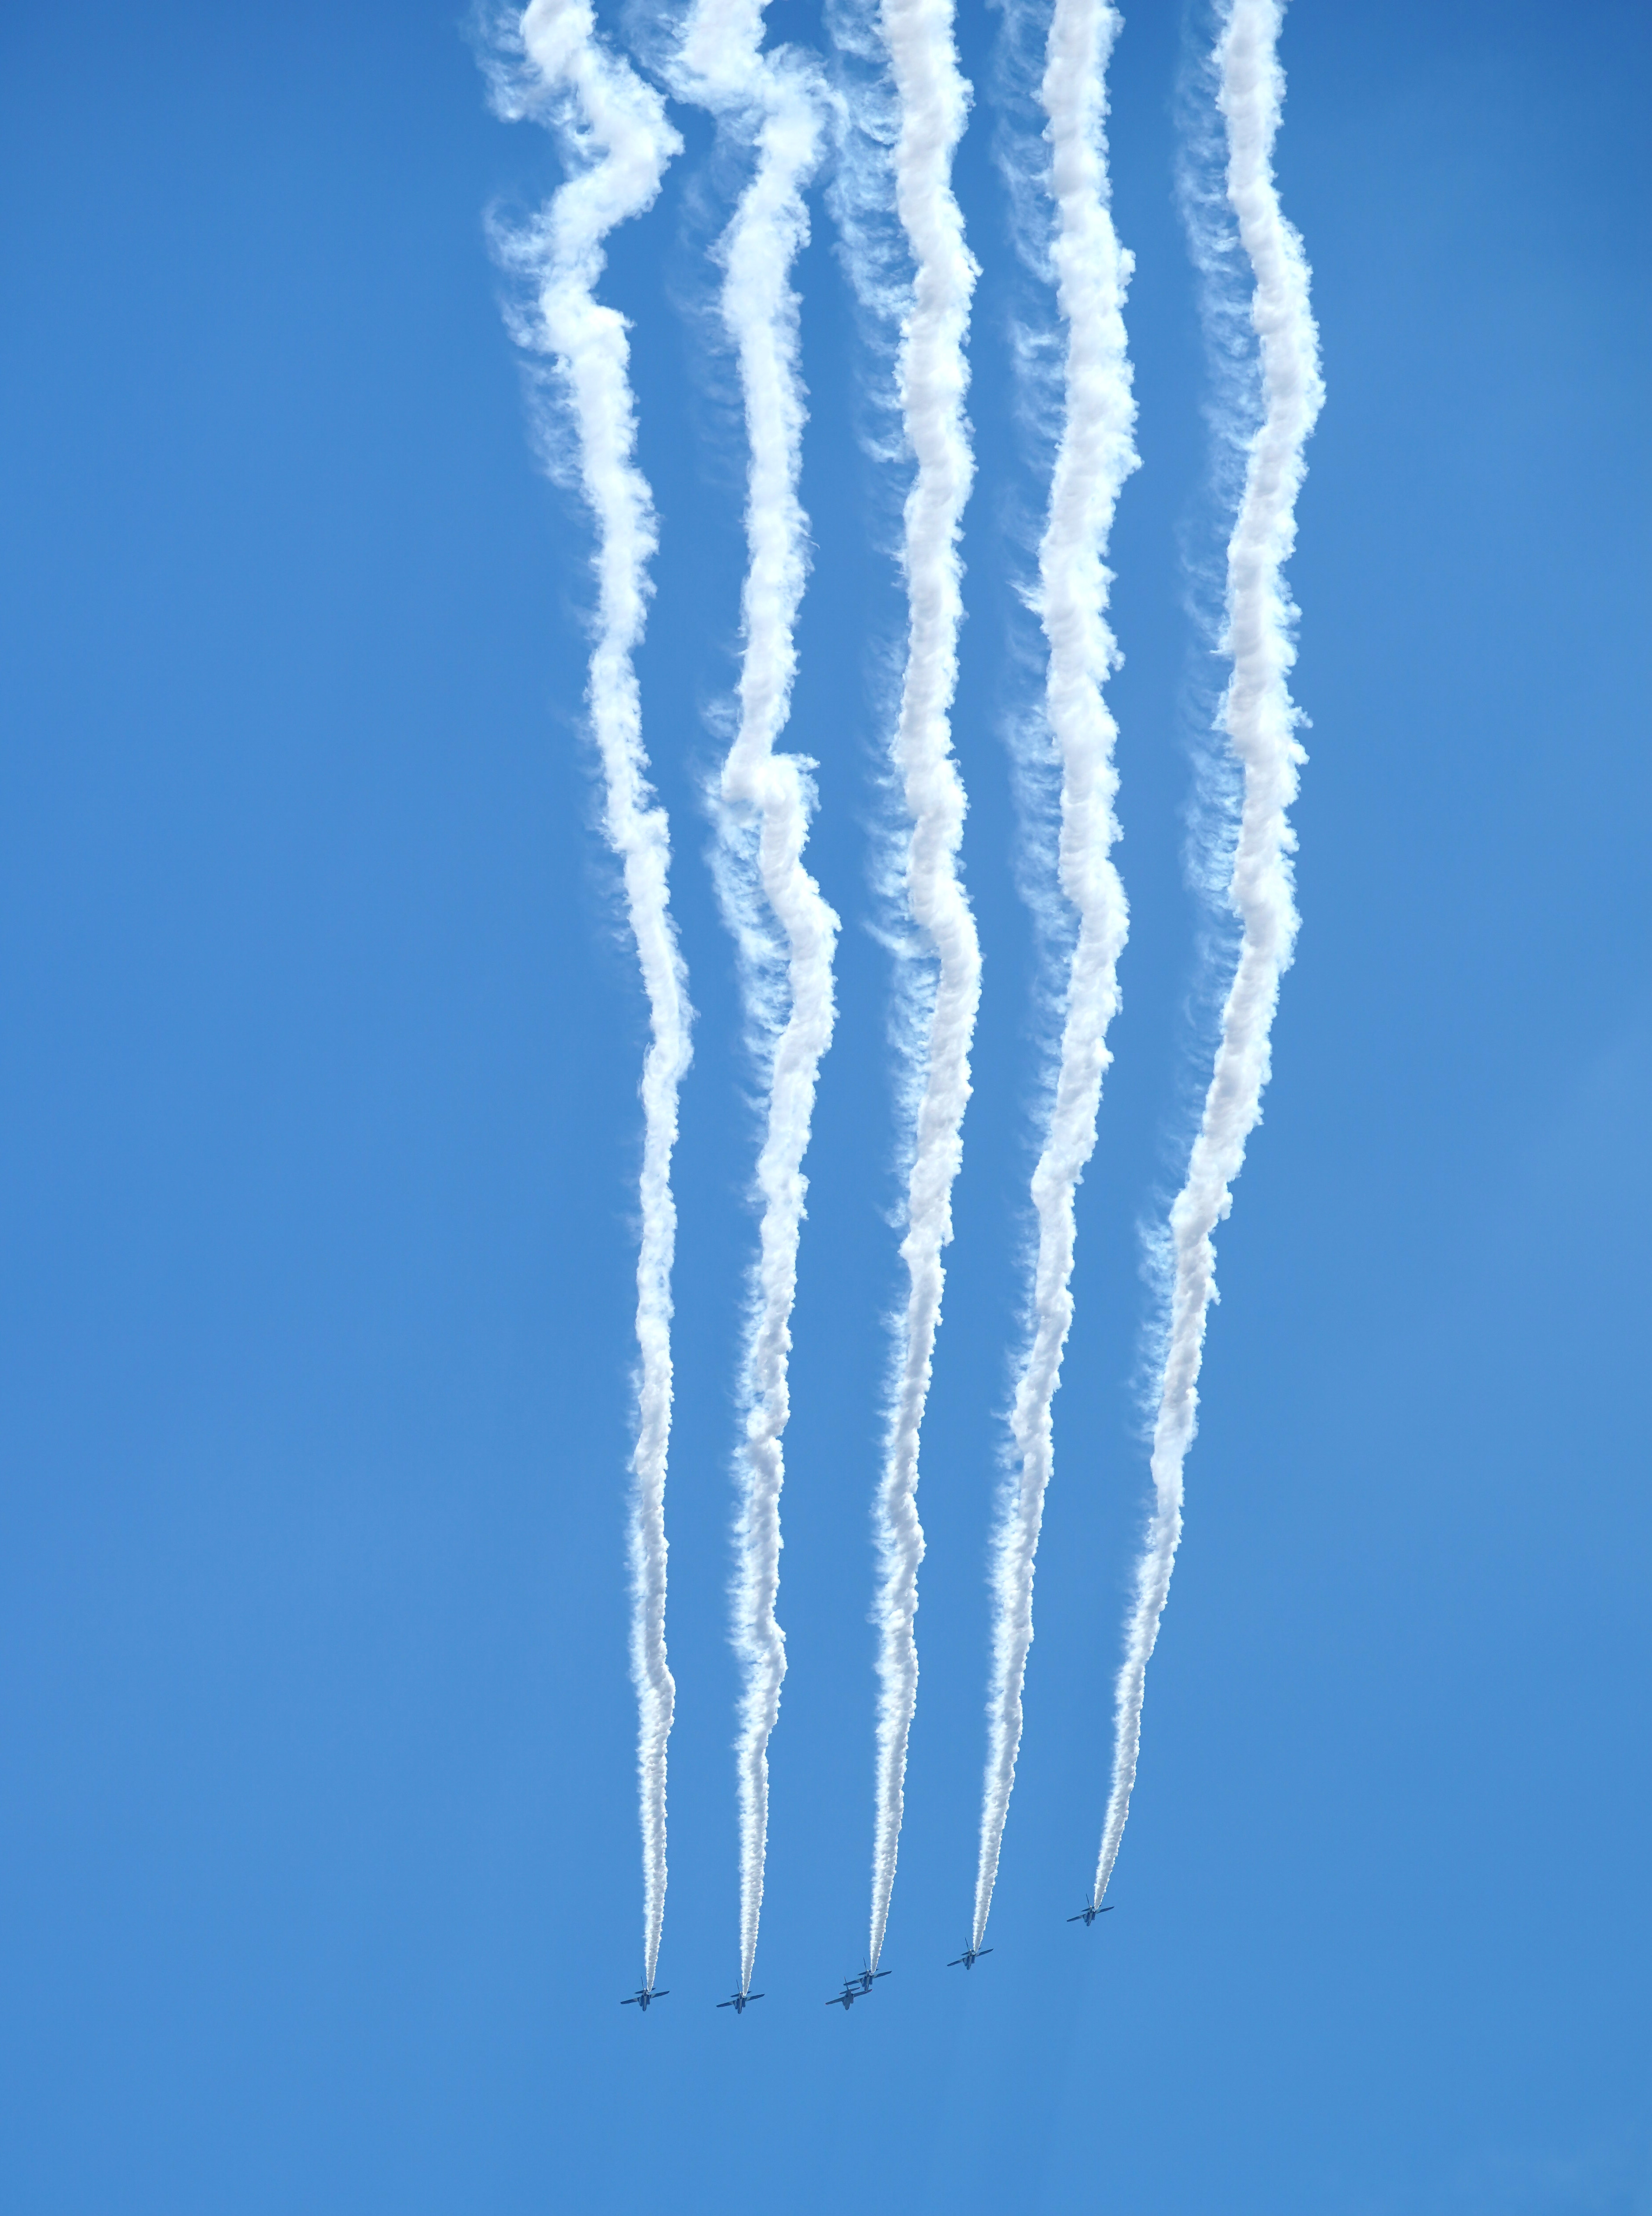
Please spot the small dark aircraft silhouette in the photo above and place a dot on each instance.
(970, 1956)
(1087, 1916)
(641, 1998)
(740, 2002)
(863, 1979)
(855, 1988)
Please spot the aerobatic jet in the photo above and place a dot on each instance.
(740, 2002)
(970, 1956)
(1087, 1916)
(643, 1996)
(855, 1987)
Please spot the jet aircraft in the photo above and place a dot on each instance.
(970, 1956)
(855, 1988)
(643, 1996)
(1087, 1916)
(740, 2002)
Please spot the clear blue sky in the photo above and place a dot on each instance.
(318, 1048)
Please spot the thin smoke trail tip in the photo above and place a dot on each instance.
(616, 142)
(1259, 721)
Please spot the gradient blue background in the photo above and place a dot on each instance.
(318, 1050)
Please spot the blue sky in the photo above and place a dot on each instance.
(318, 1052)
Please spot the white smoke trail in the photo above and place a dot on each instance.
(1095, 456)
(932, 103)
(616, 139)
(772, 103)
(1260, 720)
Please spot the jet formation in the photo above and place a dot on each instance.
(855, 1988)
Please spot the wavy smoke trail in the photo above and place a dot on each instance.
(616, 140)
(932, 103)
(773, 104)
(1260, 719)
(1094, 458)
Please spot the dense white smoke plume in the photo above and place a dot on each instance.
(770, 104)
(1092, 461)
(931, 102)
(1260, 720)
(617, 142)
